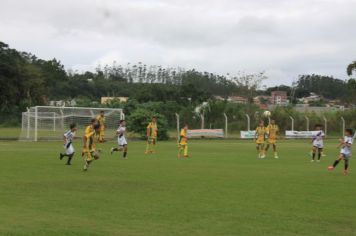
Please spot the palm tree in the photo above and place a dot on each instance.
(351, 68)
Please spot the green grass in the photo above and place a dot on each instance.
(222, 190)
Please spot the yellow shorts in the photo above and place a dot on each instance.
(272, 141)
(259, 141)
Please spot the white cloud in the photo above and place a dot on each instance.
(285, 38)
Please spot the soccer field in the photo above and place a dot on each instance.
(222, 190)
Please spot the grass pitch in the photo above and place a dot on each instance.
(222, 190)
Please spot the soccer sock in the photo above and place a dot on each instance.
(336, 162)
(346, 164)
(124, 154)
(319, 155)
(69, 159)
(186, 150)
(313, 155)
(115, 149)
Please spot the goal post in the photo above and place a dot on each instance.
(50, 122)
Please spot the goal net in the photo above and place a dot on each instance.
(49, 122)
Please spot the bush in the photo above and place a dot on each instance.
(139, 119)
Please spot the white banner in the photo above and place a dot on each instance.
(206, 133)
(248, 134)
(300, 134)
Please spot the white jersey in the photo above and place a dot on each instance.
(318, 139)
(121, 140)
(69, 136)
(345, 149)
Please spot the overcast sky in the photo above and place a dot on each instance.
(285, 38)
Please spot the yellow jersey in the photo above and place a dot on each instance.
(88, 130)
(272, 131)
(90, 141)
(153, 129)
(260, 133)
(101, 120)
(183, 137)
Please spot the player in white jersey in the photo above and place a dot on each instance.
(318, 142)
(345, 152)
(68, 138)
(121, 139)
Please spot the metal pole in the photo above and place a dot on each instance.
(292, 119)
(54, 121)
(225, 124)
(343, 126)
(325, 125)
(36, 123)
(28, 123)
(248, 122)
(307, 118)
(178, 125)
(202, 121)
(269, 120)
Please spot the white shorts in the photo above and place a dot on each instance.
(122, 141)
(318, 144)
(346, 154)
(69, 150)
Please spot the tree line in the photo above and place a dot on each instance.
(28, 81)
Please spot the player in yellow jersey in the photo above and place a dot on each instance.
(272, 133)
(260, 137)
(89, 151)
(101, 121)
(151, 134)
(183, 142)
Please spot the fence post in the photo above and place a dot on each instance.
(225, 124)
(292, 119)
(325, 125)
(28, 123)
(307, 118)
(178, 125)
(343, 126)
(248, 122)
(36, 122)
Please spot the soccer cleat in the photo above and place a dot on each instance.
(276, 157)
(330, 168)
(111, 150)
(68, 164)
(346, 172)
(312, 161)
(263, 156)
(85, 168)
(60, 156)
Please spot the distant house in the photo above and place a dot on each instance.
(279, 98)
(219, 98)
(237, 99)
(106, 100)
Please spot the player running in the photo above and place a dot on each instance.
(272, 132)
(89, 146)
(68, 138)
(101, 121)
(345, 152)
(121, 139)
(260, 137)
(318, 142)
(183, 142)
(151, 134)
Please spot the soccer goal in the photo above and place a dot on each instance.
(50, 122)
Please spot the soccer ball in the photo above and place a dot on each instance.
(266, 113)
